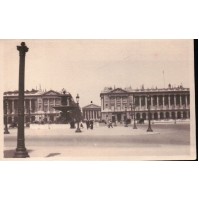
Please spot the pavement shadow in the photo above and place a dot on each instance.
(53, 154)
(10, 153)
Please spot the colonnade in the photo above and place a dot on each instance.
(169, 101)
(166, 100)
(91, 114)
(13, 105)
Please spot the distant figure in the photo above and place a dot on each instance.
(87, 124)
(81, 125)
(91, 124)
(110, 124)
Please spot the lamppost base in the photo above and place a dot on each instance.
(134, 127)
(21, 153)
(149, 130)
(78, 130)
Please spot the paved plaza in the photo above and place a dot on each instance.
(168, 141)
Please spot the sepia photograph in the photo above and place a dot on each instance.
(89, 99)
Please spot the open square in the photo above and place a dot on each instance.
(168, 141)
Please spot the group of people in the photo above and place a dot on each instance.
(89, 124)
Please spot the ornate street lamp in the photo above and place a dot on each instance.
(126, 125)
(78, 129)
(5, 116)
(149, 114)
(21, 151)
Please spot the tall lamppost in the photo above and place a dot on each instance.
(126, 125)
(78, 129)
(21, 151)
(5, 116)
(149, 114)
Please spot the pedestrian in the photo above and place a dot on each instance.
(91, 124)
(87, 124)
(110, 124)
(81, 125)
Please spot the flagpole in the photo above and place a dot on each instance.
(163, 78)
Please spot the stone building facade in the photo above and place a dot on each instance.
(168, 103)
(38, 105)
(92, 112)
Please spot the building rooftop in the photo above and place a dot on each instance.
(142, 89)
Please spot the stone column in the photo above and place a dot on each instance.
(169, 101)
(21, 151)
(163, 101)
(121, 103)
(180, 101)
(146, 103)
(13, 107)
(115, 103)
(48, 105)
(30, 105)
(54, 105)
(90, 114)
(186, 101)
(151, 101)
(175, 101)
(157, 102)
(139, 101)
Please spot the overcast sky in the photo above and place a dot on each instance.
(87, 66)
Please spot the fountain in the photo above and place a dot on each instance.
(70, 111)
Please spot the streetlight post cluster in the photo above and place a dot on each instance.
(149, 113)
(78, 129)
(133, 107)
